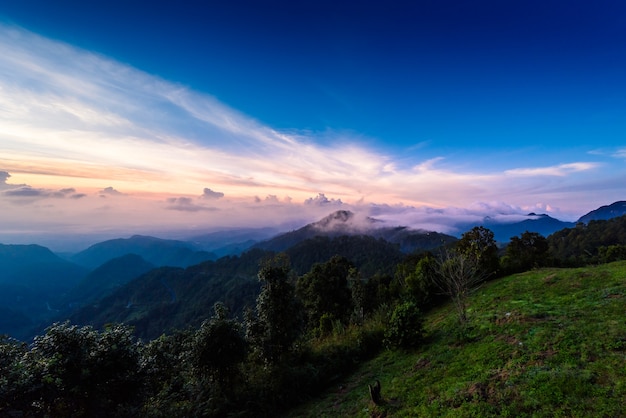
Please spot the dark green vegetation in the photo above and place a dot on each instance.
(596, 242)
(261, 333)
(168, 298)
(106, 279)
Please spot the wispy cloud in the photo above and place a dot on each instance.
(72, 121)
(557, 170)
(620, 153)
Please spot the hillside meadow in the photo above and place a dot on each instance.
(545, 343)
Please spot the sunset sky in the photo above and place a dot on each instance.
(125, 117)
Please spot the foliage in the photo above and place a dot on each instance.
(324, 291)
(608, 254)
(218, 348)
(370, 255)
(529, 250)
(169, 381)
(277, 323)
(77, 371)
(581, 245)
(457, 274)
(16, 383)
(406, 327)
(166, 299)
(417, 275)
(479, 247)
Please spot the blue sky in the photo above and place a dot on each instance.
(484, 107)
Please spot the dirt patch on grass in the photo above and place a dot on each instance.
(546, 354)
(550, 279)
(421, 364)
(508, 318)
(509, 339)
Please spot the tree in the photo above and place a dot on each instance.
(525, 252)
(277, 323)
(16, 382)
(417, 277)
(84, 372)
(406, 326)
(170, 383)
(479, 245)
(611, 253)
(357, 291)
(218, 348)
(457, 275)
(324, 291)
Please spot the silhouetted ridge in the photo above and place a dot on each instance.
(160, 252)
(604, 213)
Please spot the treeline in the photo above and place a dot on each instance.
(599, 241)
(170, 298)
(304, 330)
(303, 333)
(271, 359)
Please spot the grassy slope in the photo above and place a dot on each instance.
(548, 343)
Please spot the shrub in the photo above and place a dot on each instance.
(406, 327)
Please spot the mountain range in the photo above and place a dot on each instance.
(344, 222)
(141, 278)
(160, 252)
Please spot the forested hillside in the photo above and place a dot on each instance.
(32, 279)
(167, 298)
(598, 241)
(532, 344)
(260, 333)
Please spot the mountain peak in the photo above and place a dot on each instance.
(338, 217)
(345, 221)
(613, 210)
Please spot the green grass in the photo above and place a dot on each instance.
(546, 343)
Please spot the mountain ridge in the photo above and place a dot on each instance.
(158, 251)
(343, 222)
(606, 212)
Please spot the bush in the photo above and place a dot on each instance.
(406, 327)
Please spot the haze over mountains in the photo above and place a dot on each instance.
(159, 252)
(142, 278)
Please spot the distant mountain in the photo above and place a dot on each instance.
(542, 224)
(160, 252)
(370, 255)
(105, 279)
(31, 279)
(169, 298)
(231, 241)
(604, 213)
(346, 223)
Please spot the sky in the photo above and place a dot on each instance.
(125, 117)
